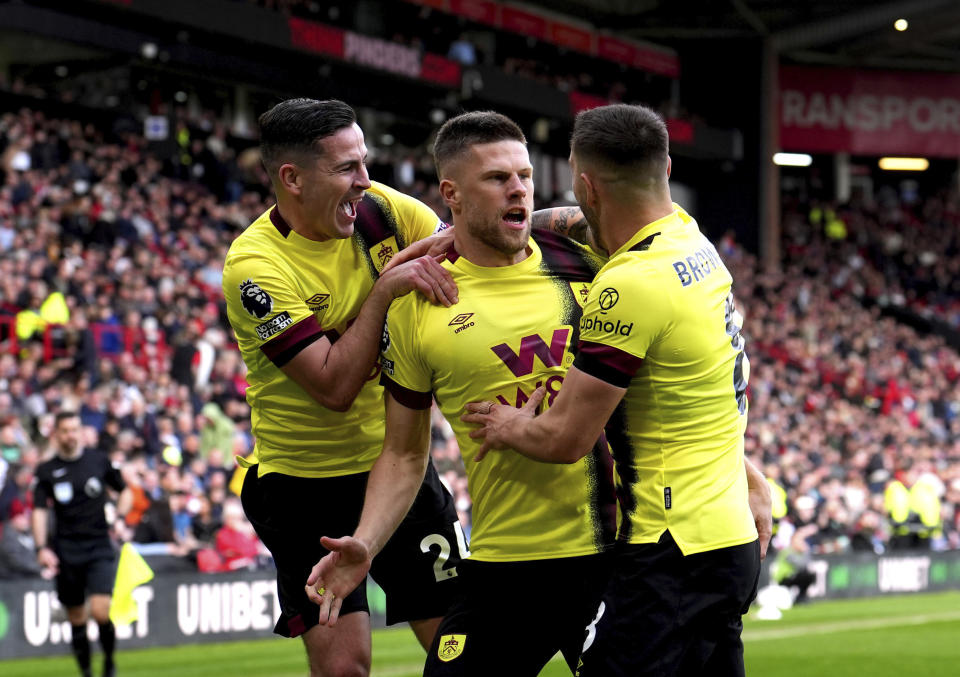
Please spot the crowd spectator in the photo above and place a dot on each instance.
(844, 399)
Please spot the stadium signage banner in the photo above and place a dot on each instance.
(173, 609)
(869, 112)
(372, 52)
(527, 22)
(866, 575)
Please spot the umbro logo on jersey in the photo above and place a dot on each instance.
(318, 302)
(461, 322)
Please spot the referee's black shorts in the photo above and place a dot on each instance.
(417, 568)
(512, 617)
(667, 615)
(86, 567)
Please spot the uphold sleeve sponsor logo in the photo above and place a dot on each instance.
(608, 298)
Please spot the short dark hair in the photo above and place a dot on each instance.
(63, 416)
(293, 128)
(459, 134)
(622, 137)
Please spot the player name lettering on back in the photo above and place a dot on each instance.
(697, 266)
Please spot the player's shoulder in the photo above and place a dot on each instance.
(408, 308)
(630, 268)
(566, 258)
(405, 210)
(45, 468)
(392, 199)
(254, 251)
(256, 239)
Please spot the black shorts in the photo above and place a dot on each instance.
(668, 615)
(417, 568)
(512, 617)
(85, 568)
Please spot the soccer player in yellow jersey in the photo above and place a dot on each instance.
(307, 301)
(540, 532)
(661, 366)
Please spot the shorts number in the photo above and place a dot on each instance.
(741, 366)
(592, 628)
(443, 546)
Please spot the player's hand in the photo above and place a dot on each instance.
(494, 419)
(435, 245)
(48, 559)
(761, 505)
(337, 575)
(423, 274)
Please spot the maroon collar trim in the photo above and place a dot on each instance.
(279, 222)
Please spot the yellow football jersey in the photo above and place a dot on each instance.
(514, 329)
(660, 321)
(283, 292)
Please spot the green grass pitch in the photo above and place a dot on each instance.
(880, 637)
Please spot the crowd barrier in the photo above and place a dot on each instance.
(189, 608)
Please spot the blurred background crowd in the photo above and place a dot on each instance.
(111, 252)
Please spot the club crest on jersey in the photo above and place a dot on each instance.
(93, 488)
(382, 252)
(63, 492)
(451, 646)
(581, 290)
(255, 301)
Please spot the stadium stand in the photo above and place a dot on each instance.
(111, 246)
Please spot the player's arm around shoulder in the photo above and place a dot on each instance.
(591, 391)
(564, 433)
(334, 373)
(569, 222)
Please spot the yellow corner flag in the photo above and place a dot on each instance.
(131, 572)
(240, 472)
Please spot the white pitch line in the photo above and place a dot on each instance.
(847, 626)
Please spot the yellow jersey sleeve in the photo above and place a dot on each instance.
(262, 303)
(403, 371)
(622, 319)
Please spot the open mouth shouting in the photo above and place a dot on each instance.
(516, 217)
(348, 208)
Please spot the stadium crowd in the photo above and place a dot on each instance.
(111, 249)
(899, 249)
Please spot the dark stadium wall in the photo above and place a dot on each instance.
(721, 81)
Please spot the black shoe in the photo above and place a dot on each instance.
(109, 670)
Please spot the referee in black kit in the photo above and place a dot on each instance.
(75, 483)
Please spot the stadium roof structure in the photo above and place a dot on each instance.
(852, 33)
